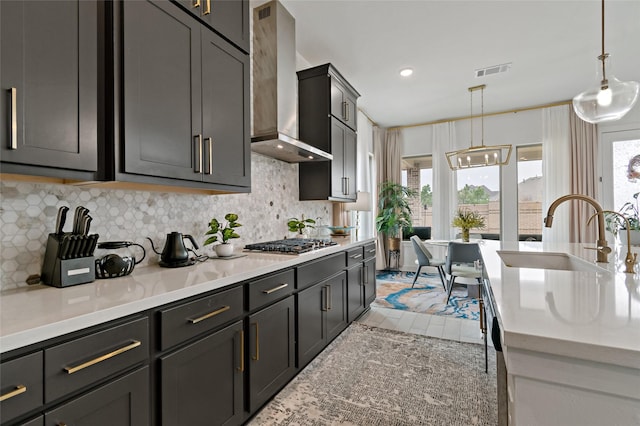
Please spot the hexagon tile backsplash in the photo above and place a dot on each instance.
(28, 214)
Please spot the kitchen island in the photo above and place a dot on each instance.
(571, 338)
(205, 344)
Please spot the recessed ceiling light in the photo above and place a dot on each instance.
(406, 72)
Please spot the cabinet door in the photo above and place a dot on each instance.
(202, 383)
(343, 165)
(355, 291)
(162, 105)
(343, 103)
(338, 179)
(225, 112)
(48, 74)
(312, 333)
(336, 311)
(230, 18)
(271, 354)
(350, 160)
(123, 402)
(369, 281)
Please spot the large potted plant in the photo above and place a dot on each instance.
(466, 220)
(223, 232)
(394, 212)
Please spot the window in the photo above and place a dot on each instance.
(479, 191)
(530, 190)
(417, 174)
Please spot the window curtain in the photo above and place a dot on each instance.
(445, 198)
(556, 169)
(584, 148)
(387, 149)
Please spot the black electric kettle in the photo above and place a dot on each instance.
(175, 253)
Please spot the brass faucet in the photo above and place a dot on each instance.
(602, 247)
(631, 258)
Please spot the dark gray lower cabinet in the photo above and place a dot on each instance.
(202, 383)
(123, 402)
(355, 291)
(271, 350)
(369, 281)
(322, 315)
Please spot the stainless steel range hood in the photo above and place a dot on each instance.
(275, 88)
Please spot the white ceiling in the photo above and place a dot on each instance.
(553, 46)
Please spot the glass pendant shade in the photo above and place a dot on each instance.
(610, 99)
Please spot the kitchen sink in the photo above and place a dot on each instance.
(546, 260)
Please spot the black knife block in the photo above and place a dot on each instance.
(59, 272)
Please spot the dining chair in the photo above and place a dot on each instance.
(424, 258)
(460, 263)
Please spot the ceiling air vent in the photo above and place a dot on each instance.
(494, 69)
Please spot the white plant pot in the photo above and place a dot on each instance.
(224, 249)
(635, 237)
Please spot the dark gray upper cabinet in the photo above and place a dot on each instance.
(328, 109)
(230, 18)
(185, 99)
(49, 80)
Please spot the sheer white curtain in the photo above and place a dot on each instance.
(556, 169)
(445, 198)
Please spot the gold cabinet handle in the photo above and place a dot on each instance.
(198, 153)
(17, 391)
(344, 110)
(195, 3)
(210, 156)
(280, 287)
(256, 357)
(209, 315)
(328, 298)
(241, 368)
(207, 7)
(482, 325)
(13, 131)
(355, 256)
(346, 116)
(372, 251)
(71, 370)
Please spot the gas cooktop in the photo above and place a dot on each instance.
(290, 246)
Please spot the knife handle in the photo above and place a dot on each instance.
(64, 246)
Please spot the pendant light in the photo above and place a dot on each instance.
(481, 155)
(611, 98)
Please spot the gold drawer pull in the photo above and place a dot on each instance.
(355, 256)
(17, 391)
(280, 287)
(209, 315)
(105, 357)
(13, 126)
(195, 3)
(207, 7)
(372, 250)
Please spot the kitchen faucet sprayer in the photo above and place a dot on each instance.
(631, 258)
(602, 247)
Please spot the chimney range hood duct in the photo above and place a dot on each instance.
(275, 88)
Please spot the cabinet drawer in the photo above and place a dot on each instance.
(369, 250)
(320, 269)
(354, 256)
(191, 319)
(269, 289)
(20, 385)
(83, 361)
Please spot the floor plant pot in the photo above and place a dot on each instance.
(393, 244)
(224, 249)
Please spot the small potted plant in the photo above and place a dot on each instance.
(466, 220)
(299, 225)
(616, 224)
(224, 233)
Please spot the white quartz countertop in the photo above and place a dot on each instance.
(36, 313)
(587, 315)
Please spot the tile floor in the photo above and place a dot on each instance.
(444, 327)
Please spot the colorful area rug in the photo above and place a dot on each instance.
(371, 376)
(428, 297)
